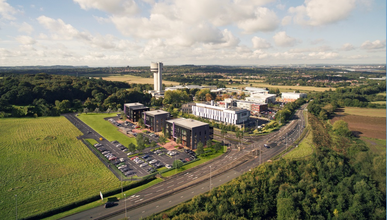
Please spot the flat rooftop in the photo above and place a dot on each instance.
(133, 104)
(187, 123)
(156, 112)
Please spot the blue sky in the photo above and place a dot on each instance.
(223, 32)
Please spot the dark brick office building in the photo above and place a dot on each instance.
(134, 111)
(155, 120)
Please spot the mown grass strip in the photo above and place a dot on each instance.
(105, 128)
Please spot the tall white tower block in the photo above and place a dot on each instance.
(157, 69)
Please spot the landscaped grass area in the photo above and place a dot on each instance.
(379, 102)
(105, 128)
(193, 164)
(305, 148)
(375, 145)
(100, 202)
(136, 79)
(371, 112)
(46, 166)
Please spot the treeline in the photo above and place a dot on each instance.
(325, 103)
(48, 95)
(341, 180)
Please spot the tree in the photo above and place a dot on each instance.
(85, 110)
(238, 134)
(140, 142)
(217, 146)
(340, 128)
(162, 139)
(209, 143)
(108, 110)
(178, 140)
(132, 147)
(177, 164)
(153, 144)
(96, 110)
(141, 123)
(199, 148)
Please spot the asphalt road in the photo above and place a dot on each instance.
(199, 176)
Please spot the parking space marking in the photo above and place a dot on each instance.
(138, 200)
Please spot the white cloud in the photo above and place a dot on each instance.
(264, 20)
(25, 40)
(26, 28)
(317, 41)
(322, 12)
(323, 55)
(286, 20)
(259, 43)
(347, 47)
(283, 40)
(377, 44)
(280, 6)
(111, 6)
(7, 11)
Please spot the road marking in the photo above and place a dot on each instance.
(193, 191)
(180, 182)
(148, 194)
(170, 186)
(202, 187)
(169, 201)
(137, 200)
(157, 186)
(181, 196)
(157, 206)
(220, 180)
(159, 190)
(143, 211)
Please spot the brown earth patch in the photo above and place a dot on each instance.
(364, 126)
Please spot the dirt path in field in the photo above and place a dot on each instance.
(364, 126)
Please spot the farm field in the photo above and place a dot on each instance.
(136, 79)
(46, 166)
(364, 122)
(105, 128)
(379, 102)
(304, 149)
(376, 145)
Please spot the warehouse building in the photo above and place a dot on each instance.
(155, 120)
(262, 98)
(189, 131)
(292, 96)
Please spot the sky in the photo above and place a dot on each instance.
(201, 32)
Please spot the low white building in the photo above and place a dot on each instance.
(261, 98)
(227, 115)
(254, 90)
(292, 96)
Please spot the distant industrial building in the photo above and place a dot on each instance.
(292, 96)
(189, 131)
(254, 90)
(252, 106)
(155, 120)
(225, 114)
(261, 98)
(133, 111)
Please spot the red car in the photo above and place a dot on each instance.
(112, 158)
(187, 159)
(132, 158)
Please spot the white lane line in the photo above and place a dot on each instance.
(169, 201)
(157, 206)
(192, 191)
(137, 200)
(157, 186)
(180, 182)
(181, 196)
(170, 186)
(159, 190)
(148, 194)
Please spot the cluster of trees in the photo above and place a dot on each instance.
(46, 95)
(325, 103)
(341, 180)
(288, 110)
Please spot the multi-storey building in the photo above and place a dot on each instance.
(189, 131)
(155, 120)
(225, 114)
(133, 111)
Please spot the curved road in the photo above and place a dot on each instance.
(185, 185)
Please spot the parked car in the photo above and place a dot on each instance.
(129, 173)
(144, 165)
(112, 158)
(130, 153)
(187, 159)
(153, 161)
(145, 156)
(110, 204)
(168, 166)
(267, 146)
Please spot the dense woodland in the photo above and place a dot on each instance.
(341, 180)
(48, 95)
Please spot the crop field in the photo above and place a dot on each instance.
(304, 149)
(105, 128)
(379, 102)
(364, 122)
(136, 79)
(375, 145)
(46, 166)
(371, 112)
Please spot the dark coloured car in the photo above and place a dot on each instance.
(267, 146)
(145, 156)
(109, 204)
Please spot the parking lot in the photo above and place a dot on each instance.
(140, 163)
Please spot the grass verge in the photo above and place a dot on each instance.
(193, 164)
(375, 145)
(100, 202)
(105, 128)
(304, 149)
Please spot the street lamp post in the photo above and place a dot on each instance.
(125, 205)
(210, 178)
(121, 186)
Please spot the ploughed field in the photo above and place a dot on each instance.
(46, 166)
(364, 122)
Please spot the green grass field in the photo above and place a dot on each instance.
(379, 102)
(371, 112)
(375, 145)
(46, 166)
(305, 148)
(105, 128)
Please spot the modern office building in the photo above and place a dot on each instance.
(133, 111)
(225, 114)
(155, 120)
(292, 96)
(157, 69)
(252, 106)
(189, 131)
(254, 90)
(187, 108)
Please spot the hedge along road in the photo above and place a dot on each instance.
(237, 161)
